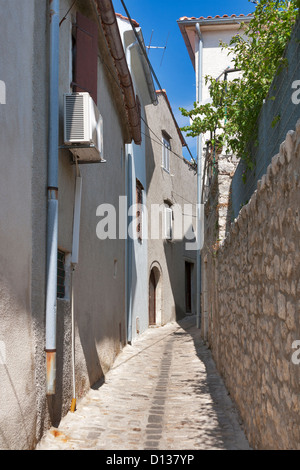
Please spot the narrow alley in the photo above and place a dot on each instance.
(163, 393)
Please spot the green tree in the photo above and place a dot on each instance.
(257, 51)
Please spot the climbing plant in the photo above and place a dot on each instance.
(257, 51)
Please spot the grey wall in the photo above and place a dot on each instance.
(177, 187)
(18, 395)
(25, 411)
(99, 300)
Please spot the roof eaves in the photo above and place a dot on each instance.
(136, 24)
(218, 19)
(109, 23)
(135, 27)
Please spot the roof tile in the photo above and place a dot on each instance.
(213, 17)
(136, 24)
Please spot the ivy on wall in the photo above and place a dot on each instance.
(257, 52)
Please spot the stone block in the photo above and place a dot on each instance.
(275, 165)
(289, 145)
(291, 315)
(298, 127)
(281, 306)
(282, 154)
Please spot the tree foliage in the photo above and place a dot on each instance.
(257, 51)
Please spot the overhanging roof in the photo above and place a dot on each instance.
(188, 24)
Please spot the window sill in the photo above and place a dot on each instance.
(167, 171)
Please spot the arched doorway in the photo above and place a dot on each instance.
(155, 296)
(152, 299)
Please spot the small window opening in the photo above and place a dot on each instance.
(166, 152)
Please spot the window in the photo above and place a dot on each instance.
(168, 223)
(61, 274)
(166, 152)
(85, 56)
(139, 211)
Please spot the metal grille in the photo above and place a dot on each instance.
(74, 118)
(61, 274)
(278, 103)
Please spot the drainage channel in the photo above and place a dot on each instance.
(155, 426)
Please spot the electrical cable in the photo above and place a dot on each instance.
(141, 44)
(143, 49)
(190, 202)
(160, 143)
(65, 17)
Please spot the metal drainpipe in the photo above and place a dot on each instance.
(74, 263)
(129, 247)
(199, 47)
(52, 222)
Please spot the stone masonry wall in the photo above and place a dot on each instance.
(253, 303)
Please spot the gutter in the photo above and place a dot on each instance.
(199, 49)
(109, 21)
(52, 220)
(142, 46)
(214, 21)
(129, 238)
(147, 71)
(129, 245)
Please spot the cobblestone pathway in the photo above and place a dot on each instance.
(163, 393)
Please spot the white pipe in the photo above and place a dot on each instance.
(129, 241)
(76, 220)
(129, 254)
(73, 403)
(52, 220)
(74, 262)
(128, 53)
(147, 71)
(199, 49)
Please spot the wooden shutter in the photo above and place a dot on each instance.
(139, 212)
(86, 56)
(188, 287)
(152, 299)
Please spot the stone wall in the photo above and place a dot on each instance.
(217, 221)
(251, 299)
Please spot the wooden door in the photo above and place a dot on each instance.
(188, 287)
(152, 299)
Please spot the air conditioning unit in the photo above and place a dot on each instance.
(83, 128)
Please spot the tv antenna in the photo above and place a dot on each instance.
(158, 47)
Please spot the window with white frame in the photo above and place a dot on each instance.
(166, 152)
(168, 223)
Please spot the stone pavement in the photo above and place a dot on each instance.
(163, 393)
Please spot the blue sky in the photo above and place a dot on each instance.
(176, 74)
